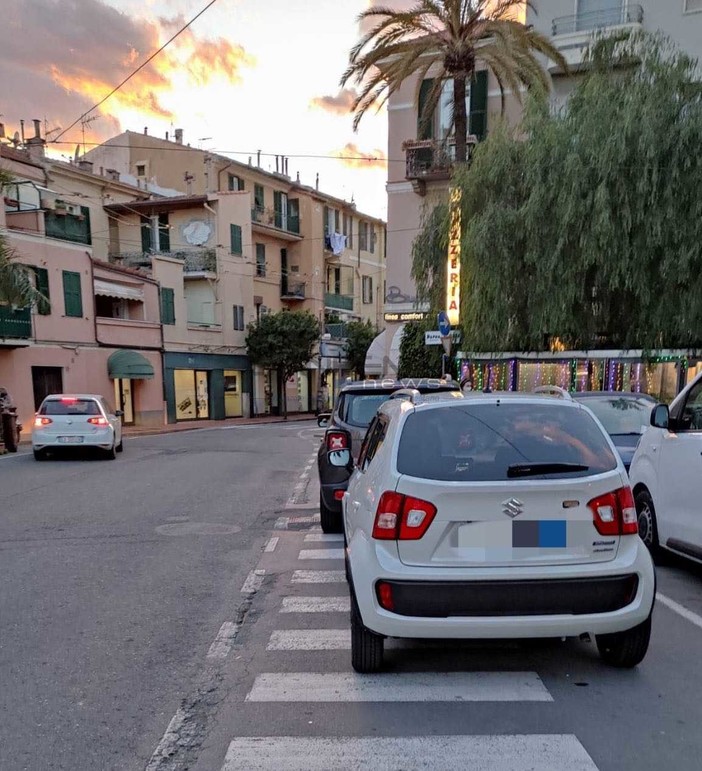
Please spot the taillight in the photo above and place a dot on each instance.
(39, 422)
(384, 592)
(337, 440)
(338, 495)
(98, 421)
(615, 513)
(402, 517)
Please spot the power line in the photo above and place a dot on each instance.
(137, 70)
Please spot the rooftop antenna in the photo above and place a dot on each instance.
(83, 123)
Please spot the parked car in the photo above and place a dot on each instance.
(665, 476)
(82, 420)
(356, 404)
(493, 516)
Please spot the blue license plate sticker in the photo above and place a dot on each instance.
(539, 534)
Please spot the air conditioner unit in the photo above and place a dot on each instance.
(48, 203)
(71, 208)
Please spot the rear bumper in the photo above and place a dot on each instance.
(327, 493)
(103, 437)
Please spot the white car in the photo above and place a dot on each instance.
(493, 516)
(665, 476)
(76, 420)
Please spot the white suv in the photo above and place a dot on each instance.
(665, 476)
(493, 516)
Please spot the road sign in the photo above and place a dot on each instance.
(444, 324)
(433, 337)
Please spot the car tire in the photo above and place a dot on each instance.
(39, 454)
(111, 454)
(648, 526)
(347, 569)
(120, 446)
(329, 520)
(625, 649)
(366, 647)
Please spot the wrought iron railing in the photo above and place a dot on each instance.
(430, 157)
(15, 324)
(623, 13)
(336, 330)
(276, 219)
(195, 260)
(340, 301)
(292, 290)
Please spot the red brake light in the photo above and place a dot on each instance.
(68, 400)
(338, 495)
(337, 440)
(615, 513)
(39, 422)
(98, 421)
(384, 592)
(402, 517)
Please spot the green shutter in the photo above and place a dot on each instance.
(478, 104)
(42, 284)
(167, 306)
(164, 233)
(145, 234)
(259, 200)
(278, 208)
(425, 123)
(72, 299)
(235, 238)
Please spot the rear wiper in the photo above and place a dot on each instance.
(536, 469)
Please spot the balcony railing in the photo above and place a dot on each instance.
(625, 13)
(15, 324)
(276, 219)
(340, 301)
(292, 290)
(194, 260)
(433, 159)
(337, 330)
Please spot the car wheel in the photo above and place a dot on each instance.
(330, 520)
(625, 649)
(111, 454)
(39, 454)
(120, 446)
(648, 527)
(347, 569)
(366, 647)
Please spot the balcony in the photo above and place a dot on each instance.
(623, 14)
(340, 302)
(284, 223)
(15, 324)
(337, 330)
(122, 333)
(432, 160)
(194, 260)
(292, 290)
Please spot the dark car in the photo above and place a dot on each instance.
(624, 416)
(356, 405)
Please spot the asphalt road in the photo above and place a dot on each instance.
(179, 608)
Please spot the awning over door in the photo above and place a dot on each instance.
(129, 364)
(122, 291)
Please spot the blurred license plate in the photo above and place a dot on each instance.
(70, 439)
(526, 534)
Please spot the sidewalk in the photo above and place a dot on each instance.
(194, 425)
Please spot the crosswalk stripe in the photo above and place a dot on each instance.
(310, 640)
(315, 605)
(253, 582)
(223, 642)
(324, 537)
(507, 752)
(318, 577)
(321, 554)
(403, 687)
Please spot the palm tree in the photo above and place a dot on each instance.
(447, 36)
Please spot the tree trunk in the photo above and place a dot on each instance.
(460, 118)
(284, 395)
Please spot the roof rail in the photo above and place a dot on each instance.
(553, 390)
(405, 393)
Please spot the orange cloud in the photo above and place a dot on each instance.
(354, 158)
(217, 58)
(341, 104)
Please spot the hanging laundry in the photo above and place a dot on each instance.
(338, 243)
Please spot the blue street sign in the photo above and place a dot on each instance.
(444, 324)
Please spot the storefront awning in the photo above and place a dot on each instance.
(129, 364)
(112, 289)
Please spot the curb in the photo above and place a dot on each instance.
(220, 424)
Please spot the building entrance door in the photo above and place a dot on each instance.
(232, 393)
(192, 396)
(125, 400)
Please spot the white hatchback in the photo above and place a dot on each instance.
(76, 420)
(494, 516)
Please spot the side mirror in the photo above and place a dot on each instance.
(338, 442)
(119, 413)
(660, 416)
(323, 419)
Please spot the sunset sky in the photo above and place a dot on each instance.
(248, 75)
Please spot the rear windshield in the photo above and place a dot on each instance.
(621, 414)
(480, 442)
(359, 409)
(70, 407)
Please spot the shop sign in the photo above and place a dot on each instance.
(406, 316)
(453, 266)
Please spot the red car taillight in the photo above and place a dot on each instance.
(98, 421)
(615, 513)
(402, 517)
(39, 422)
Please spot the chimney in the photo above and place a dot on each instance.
(188, 178)
(258, 159)
(166, 136)
(112, 175)
(35, 145)
(316, 184)
(146, 130)
(179, 136)
(84, 165)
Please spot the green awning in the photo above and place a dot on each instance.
(129, 364)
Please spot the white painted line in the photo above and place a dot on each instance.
(253, 582)
(681, 610)
(318, 577)
(272, 543)
(310, 640)
(281, 523)
(315, 605)
(321, 554)
(169, 743)
(319, 537)
(417, 686)
(507, 752)
(223, 642)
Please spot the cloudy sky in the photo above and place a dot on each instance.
(248, 75)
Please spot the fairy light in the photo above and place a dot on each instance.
(637, 376)
(583, 379)
(512, 365)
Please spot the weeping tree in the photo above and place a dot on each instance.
(585, 224)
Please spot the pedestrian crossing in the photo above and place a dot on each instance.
(318, 598)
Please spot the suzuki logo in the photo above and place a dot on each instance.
(512, 507)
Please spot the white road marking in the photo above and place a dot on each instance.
(417, 686)
(310, 640)
(318, 577)
(681, 610)
(253, 582)
(281, 523)
(304, 475)
(317, 537)
(321, 554)
(223, 642)
(506, 752)
(315, 605)
(169, 743)
(272, 543)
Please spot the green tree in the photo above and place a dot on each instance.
(447, 37)
(359, 336)
(416, 358)
(283, 342)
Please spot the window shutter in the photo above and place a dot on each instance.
(73, 302)
(145, 234)
(326, 220)
(259, 201)
(278, 208)
(425, 123)
(164, 233)
(235, 236)
(42, 284)
(167, 306)
(478, 104)
(240, 183)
